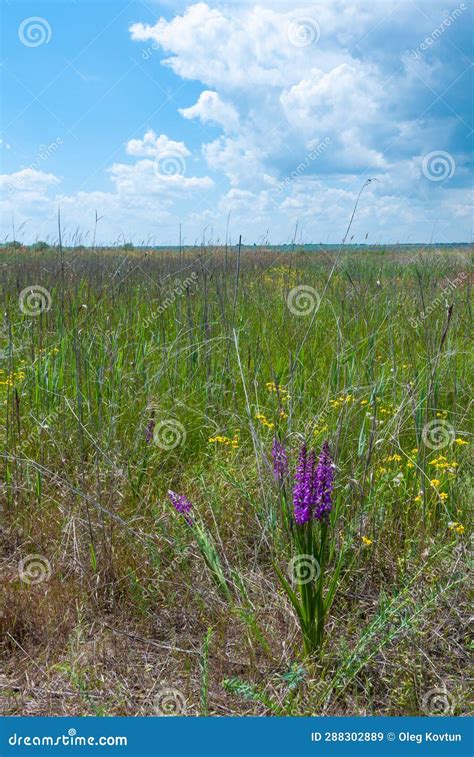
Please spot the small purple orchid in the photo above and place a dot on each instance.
(313, 485)
(301, 489)
(182, 505)
(323, 484)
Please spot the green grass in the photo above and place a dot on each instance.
(132, 337)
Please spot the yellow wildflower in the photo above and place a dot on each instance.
(435, 482)
(234, 442)
(321, 430)
(455, 526)
(460, 441)
(264, 421)
(273, 387)
(367, 541)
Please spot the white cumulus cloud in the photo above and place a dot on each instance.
(211, 109)
(153, 145)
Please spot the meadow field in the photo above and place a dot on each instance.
(128, 373)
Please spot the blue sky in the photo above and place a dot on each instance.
(256, 115)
